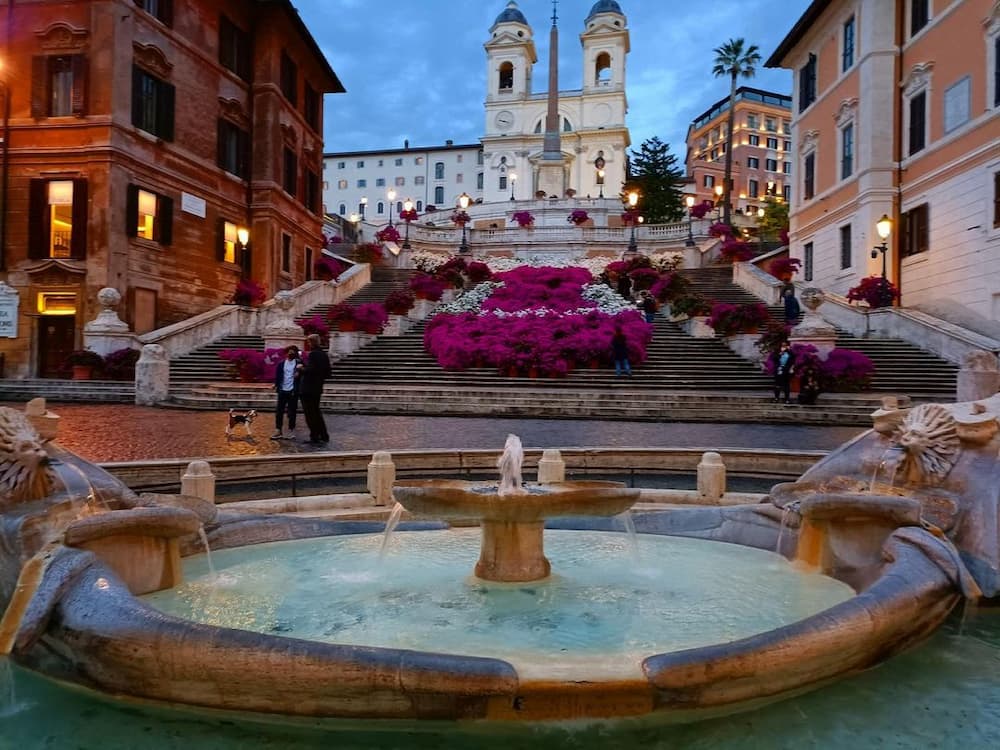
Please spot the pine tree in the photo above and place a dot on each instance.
(655, 174)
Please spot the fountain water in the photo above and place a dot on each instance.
(390, 526)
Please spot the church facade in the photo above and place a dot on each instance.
(593, 137)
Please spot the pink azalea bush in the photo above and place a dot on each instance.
(578, 217)
(120, 364)
(843, 370)
(427, 286)
(410, 215)
(328, 268)
(874, 290)
(248, 292)
(388, 234)
(736, 251)
(719, 229)
(785, 267)
(399, 302)
(523, 218)
(699, 210)
(315, 324)
(728, 319)
(252, 366)
(370, 252)
(461, 218)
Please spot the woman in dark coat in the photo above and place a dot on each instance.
(792, 308)
(619, 350)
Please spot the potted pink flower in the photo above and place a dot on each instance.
(248, 293)
(388, 234)
(523, 218)
(578, 217)
(461, 218)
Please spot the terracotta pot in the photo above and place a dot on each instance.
(532, 372)
(346, 326)
(595, 364)
(82, 372)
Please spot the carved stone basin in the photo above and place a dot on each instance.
(512, 525)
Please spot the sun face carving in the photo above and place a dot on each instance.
(24, 470)
(929, 439)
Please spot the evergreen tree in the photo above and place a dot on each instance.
(655, 174)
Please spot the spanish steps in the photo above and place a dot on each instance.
(683, 378)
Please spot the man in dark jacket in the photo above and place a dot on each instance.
(315, 371)
(783, 361)
(286, 384)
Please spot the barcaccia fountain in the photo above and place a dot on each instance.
(892, 530)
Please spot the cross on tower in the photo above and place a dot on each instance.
(554, 17)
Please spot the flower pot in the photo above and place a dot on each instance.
(532, 372)
(595, 364)
(346, 326)
(82, 372)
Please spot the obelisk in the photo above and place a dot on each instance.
(552, 167)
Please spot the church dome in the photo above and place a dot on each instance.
(511, 14)
(605, 6)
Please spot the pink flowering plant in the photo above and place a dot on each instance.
(248, 293)
(427, 286)
(328, 269)
(523, 218)
(735, 251)
(252, 366)
(843, 370)
(719, 229)
(875, 291)
(578, 217)
(316, 324)
(410, 215)
(461, 218)
(728, 319)
(532, 320)
(399, 302)
(784, 268)
(699, 210)
(669, 287)
(388, 234)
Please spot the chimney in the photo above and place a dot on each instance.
(406, 143)
(449, 142)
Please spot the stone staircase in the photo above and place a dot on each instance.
(51, 389)
(900, 367)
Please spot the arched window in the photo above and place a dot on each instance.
(479, 181)
(420, 206)
(506, 76)
(602, 69)
(439, 170)
(503, 181)
(399, 207)
(343, 209)
(538, 127)
(567, 128)
(439, 195)
(381, 208)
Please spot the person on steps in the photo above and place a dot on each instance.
(619, 350)
(792, 309)
(783, 362)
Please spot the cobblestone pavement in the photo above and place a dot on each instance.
(118, 432)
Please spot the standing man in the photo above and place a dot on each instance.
(315, 370)
(286, 383)
(783, 361)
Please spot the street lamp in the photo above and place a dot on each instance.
(600, 182)
(364, 207)
(354, 219)
(760, 229)
(633, 199)
(407, 207)
(463, 203)
(243, 238)
(689, 202)
(391, 195)
(884, 228)
(718, 202)
(513, 179)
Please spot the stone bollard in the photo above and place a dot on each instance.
(979, 377)
(152, 376)
(551, 467)
(45, 422)
(199, 481)
(381, 477)
(711, 477)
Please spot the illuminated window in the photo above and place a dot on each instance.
(229, 242)
(149, 215)
(60, 218)
(57, 216)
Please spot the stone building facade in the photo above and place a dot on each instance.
(144, 135)
(897, 112)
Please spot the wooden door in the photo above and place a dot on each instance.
(56, 336)
(144, 310)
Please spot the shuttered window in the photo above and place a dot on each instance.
(58, 86)
(807, 83)
(918, 122)
(162, 10)
(149, 215)
(809, 176)
(233, 149)
(57, 219)
(916, 231)
(152, 104)
(234, 48)
(290, 173)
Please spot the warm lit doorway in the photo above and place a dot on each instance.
(56, 332)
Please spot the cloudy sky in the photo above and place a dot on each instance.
(417, 71)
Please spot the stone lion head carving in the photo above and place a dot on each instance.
(24, 471)
(929, 439)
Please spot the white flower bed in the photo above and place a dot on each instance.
(605, 300)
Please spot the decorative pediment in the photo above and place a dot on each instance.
(232, 110)
(288, 134)
(62, 37)
(151, 57)
(846, 112)
(54, 270)
(808, 141)
(918, 78)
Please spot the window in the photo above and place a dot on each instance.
(360, 165)
(362, 183)
(227, 241)
(479, 181)
(380, 208)
(400, 181)
(807, 83)
(458, 178)
(479, 158)
(234, 48)
(342, 209)
(807, 251)
(503, 182)
(286, 253)
(956, 104)
(311, 106)
(380, 182)
(420, 205)
(918, 122)
(506, 77)
(418, 180)
(439, 195)
(771, 165)
(715, 154)
(312, 197)
(786, 167)
(847, 45)
(752, 122)
(309, 264)
(380, 162)
(709, 181)
(809, 176)
(418, 160)
(915, 234)
(753, 162)
(289, 79)
(920, 15)
(754, 140)
(161, 10)
(753, 189)
(772, 143)
(399, 207)
(439, 170)
(996, 71)
(399, 162)
(787, 146)
(57, 218)
(771, 126)
(341, 184)
(290, 172)
(845, 247)
(233, 150)
(341, 165)
(602, 69)
(996, 199)
(846, 151)
(152, 104)
(58, 86)
(786, 127)
(458, 158)
(148, 215)
(786, 192)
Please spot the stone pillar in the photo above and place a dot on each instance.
(199, 481)
(45, 422)
(381, 477)
(551, 467)
(979, 377)
(283, 331)
(152, 376)
(397, 325)
(343, 343)
(711, 477)
(107, 332)
(421, 309)
(813, 329)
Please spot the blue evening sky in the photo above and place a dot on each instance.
(418, 70)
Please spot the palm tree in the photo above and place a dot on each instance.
(733, 60)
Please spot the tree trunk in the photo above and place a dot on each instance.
(727, 206)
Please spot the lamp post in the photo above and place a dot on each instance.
(689, 202)
(364, 207)
(354, 219)
(513, 179)
(391, 195)
(463, 203)
(718, 202)
(407, 207)
(884, 228)
(243, 238)
(633, 199)
(600, 182)
(760, 229)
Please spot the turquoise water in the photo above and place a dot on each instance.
(607, 607)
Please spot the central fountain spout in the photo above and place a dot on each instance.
(512, 516)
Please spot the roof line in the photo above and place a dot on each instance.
(812, 13)
(337, 87)
(405, 150)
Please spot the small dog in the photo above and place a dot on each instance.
(244, 418)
